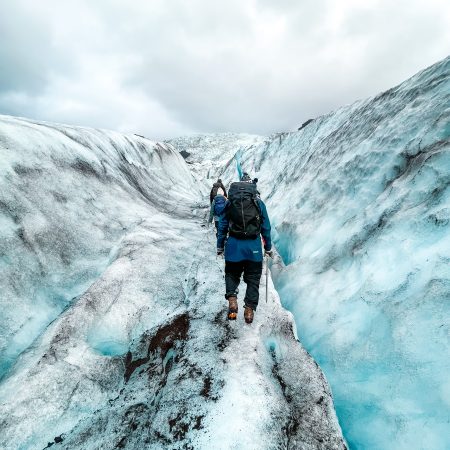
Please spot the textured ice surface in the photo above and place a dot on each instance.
(113, 317)
(360, 200)
(67, 197)
(209, 155)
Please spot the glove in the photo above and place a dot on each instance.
(219, 251)
(268, 253)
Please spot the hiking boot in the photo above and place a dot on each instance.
(248, 314)
(232, 308)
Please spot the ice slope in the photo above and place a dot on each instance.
(67, 198)
(113, 317)
(360, 203)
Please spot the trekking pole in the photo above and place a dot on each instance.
(267, 277)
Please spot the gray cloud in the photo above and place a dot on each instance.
(166, 68)
(27, 54)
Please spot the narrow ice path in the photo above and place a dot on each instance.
(241, 416)
(262, 389)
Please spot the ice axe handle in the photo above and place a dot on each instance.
(267, 277)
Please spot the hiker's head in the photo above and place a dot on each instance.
(219, 180)
(246, 177)
(255, 180)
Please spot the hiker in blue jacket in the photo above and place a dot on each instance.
(217, 207)
(244, 220)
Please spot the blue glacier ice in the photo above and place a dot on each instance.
(360, 203)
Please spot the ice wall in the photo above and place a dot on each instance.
(67, 196)
(360, 203)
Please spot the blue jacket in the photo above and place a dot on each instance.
(212, 213)
(242, 249)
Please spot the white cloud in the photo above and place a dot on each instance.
(163, 68)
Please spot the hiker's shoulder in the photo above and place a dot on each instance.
(262, 205)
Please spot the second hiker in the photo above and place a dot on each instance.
(244, 220)
(216, 186)
(217, 207)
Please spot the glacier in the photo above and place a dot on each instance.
(113, 330)
(360, 203)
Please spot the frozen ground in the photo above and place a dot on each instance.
(113, 330)
(360, 203)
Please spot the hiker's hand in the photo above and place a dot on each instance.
(219, 251)
(268, 253)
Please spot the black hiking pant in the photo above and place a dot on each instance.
(252, 276)
(216, 224)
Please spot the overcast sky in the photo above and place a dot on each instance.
(164, 68)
